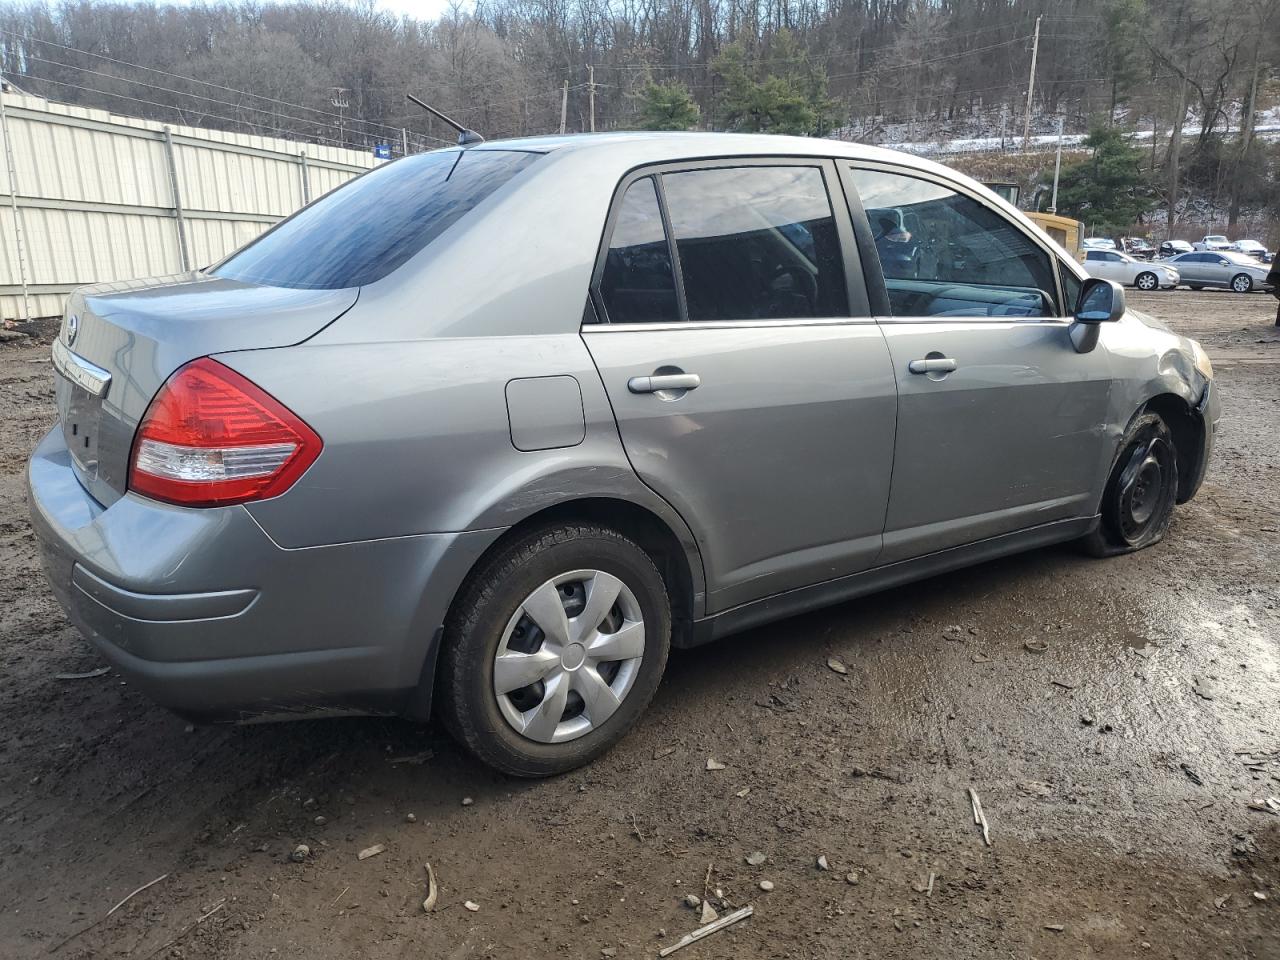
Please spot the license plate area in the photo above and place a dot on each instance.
(80, 419)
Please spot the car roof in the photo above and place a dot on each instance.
(664, 146)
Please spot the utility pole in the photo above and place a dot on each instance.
(1057, 170)
(564, 104)
(591, 89)
(404, 142)
(1031, 87)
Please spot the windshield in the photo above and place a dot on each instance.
(371, 225)
(1242, 258)
(1216, 239)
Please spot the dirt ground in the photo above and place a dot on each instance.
(1116, 768)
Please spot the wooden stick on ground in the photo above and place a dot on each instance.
(979, 817)
(63, 943)
(187, 929)
(728, 920)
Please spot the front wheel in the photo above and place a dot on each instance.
(554, 649)
(1147, 281)
(1141, 491)
(1242, 283)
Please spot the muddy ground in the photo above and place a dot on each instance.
(1116, 769)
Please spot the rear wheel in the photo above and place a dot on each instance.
(1242, 283)
(1138, 502)
(1146, 281)
(1196, 286)
(553, 649)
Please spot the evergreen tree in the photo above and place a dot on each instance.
(666, 106)
(1109, 187)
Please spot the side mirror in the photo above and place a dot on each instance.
(1101, 301)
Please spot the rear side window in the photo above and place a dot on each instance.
(371, 225)
(756, 243)
(946, 254)
(638, 284)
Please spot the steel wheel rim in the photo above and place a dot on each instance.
(1144, 487)
(569, 655)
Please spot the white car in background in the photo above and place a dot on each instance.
(1098, 243)
(1251, 248)
(1214, 241)
(1124, 269)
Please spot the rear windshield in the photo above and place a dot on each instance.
(366, 228)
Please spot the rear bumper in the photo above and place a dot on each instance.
(208, 616)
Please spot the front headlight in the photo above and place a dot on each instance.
(1203, 365)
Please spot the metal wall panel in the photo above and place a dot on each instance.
(95, 197)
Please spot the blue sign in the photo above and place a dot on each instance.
(382, 151)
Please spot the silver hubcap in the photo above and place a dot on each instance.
(1241, 284)
(569, 656)
(1146, 281)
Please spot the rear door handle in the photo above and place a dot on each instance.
(932, 365)
(668, 381)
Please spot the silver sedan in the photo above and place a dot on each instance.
(1221, 268)
(488, 430)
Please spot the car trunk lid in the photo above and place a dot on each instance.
(119, 343)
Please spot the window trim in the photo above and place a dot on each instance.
(858, 306)
(846, 168)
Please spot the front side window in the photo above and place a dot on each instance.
(756, 243)
(946, 254)
(638, 284)
(1071, 285)
(371, 225)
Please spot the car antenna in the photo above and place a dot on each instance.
(465, 136)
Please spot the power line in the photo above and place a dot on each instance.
(291, 134)
(810, 58)
(178, 76)
(197, 96)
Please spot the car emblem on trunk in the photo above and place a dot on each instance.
(73, 329)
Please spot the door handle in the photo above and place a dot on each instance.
(932, 365)
(667, 381)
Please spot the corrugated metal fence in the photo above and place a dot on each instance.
(90, 195)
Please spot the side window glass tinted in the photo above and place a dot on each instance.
(756, 243)
(945, 254)
(638, 285)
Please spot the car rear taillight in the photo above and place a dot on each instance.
(211, 438)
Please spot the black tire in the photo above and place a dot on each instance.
(1152, 282)
(490, 599)
(1195, 286)
(1245, 287)
(1141, 491)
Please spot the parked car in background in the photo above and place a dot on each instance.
(1213, 241)
(1098, 243)
(1137, 247)
(393, 457)
(1171, 248)
(1127, 270)
(1221, 268)
(1252, 248)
